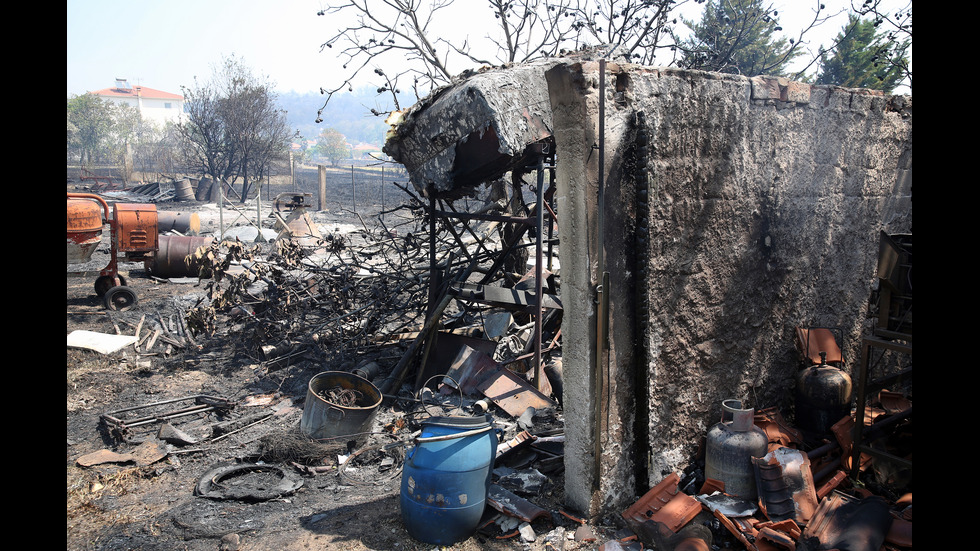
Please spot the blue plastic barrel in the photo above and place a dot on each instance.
(446, 478)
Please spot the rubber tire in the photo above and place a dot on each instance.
(104, 283)
(120, 298)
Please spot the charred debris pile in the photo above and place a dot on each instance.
(341, 298)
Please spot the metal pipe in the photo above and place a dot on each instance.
(538, 273)
(551, 221)
(601, 296)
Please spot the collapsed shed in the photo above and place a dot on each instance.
(702, 218)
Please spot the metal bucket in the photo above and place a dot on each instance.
(323, 418)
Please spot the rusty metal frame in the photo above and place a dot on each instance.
(863, 384)
(538, 152)
(202, 404)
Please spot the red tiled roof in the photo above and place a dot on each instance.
(135, 91)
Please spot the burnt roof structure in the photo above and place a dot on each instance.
(474, 130)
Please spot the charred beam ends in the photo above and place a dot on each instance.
(474, 130)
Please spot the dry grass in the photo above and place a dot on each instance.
(87, 376)
(88, 491)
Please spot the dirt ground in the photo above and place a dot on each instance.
(148, 501)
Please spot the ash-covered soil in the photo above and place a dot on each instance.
(147, 500)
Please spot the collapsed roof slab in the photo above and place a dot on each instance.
(474, 130)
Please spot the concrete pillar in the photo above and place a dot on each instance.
(321, 172)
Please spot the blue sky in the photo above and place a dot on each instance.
(165, 45)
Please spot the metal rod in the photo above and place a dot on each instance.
(538, 273)
(489, 217)
(551, 221)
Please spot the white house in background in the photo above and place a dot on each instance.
(153, 105)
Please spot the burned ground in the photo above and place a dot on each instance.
(227, 477)
(147, 498)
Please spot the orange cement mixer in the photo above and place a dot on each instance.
(133, 232)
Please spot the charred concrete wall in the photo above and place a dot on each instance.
(765, 202)
(754, 207)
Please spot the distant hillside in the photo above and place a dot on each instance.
(349, 113)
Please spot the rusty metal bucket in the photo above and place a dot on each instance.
(324, 418)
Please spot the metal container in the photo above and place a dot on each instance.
(136, 228)
(183, 191)
(297, 224)
(823, 396)
(187, 223)
(731, 445)
(203, 192)
(176, 256)
(446, 478)
(84, 228)
(323, 418)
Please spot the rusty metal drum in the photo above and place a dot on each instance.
(183, 191)
(176, 256)
(187, 223)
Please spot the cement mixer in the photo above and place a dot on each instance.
(133, 232)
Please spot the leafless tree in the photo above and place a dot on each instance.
(203, 133)
(897, 27)
(406, 34)
(234, 126)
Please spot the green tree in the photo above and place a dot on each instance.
(333, 145)
(738, 36)
(864, 58)
(90, 125)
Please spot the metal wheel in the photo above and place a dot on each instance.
(120, 298)
(104, 283)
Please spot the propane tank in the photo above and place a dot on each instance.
(731, 445)
(823, 396)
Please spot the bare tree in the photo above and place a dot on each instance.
(204, 136)
(897, 27)
(377, 36)
(234, 125)
(406, 34)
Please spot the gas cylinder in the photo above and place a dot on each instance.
(731, 445)
(823, 396)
